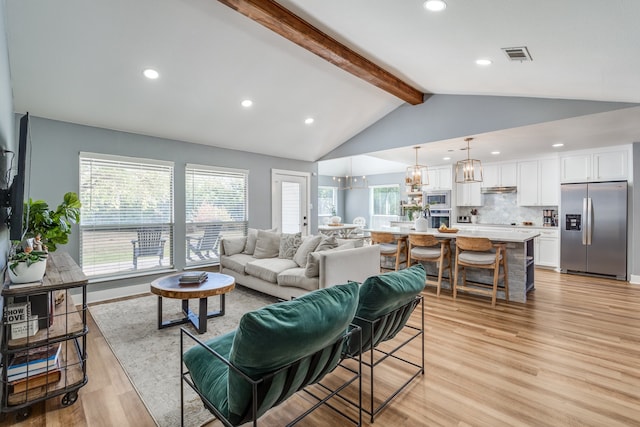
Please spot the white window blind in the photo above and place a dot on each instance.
(126, 223)
(216, 206)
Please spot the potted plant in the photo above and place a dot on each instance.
(52, 227)
(27, 265)
(474, 215)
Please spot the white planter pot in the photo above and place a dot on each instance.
(336, 219)
(24, 274)
(422, 224)
(474, 219)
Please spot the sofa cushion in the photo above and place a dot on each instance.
(210, 374)
(269, 268)
(327, 242)
(296, 277)
(359, 242)
(273, 336)
(250, 245)
(289, 244)
(308, 245)
(312, 269)
(236, 262)
(233, 245)
(267, 244)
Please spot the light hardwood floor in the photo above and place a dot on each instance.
(569, 357)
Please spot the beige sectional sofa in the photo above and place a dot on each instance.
(288, 265)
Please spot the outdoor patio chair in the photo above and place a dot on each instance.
(208, 242)
(149, 243)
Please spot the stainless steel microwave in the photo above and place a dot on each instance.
(438, 199)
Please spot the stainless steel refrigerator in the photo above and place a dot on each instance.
(593, 223)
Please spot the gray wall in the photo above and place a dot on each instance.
(55, 168)
(7, 139)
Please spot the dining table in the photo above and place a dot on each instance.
(338, 229)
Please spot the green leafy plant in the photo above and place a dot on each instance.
(53, 226)
(474, 211)
(26, 256)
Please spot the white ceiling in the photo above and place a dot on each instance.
(81, 61)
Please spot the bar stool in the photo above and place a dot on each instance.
(425, 247)
(391, 246)
(476, 252)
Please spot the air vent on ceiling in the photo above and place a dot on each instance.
(518, 53)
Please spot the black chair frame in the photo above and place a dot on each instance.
(380, 328)
(260, 387)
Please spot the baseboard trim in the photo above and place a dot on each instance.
(113, 293)
(634, 279)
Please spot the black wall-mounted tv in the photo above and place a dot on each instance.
(14, 197)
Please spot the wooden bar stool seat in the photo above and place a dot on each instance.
(425, 247)
(391, 246)
(480, 252)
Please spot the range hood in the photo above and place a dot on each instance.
(498, 190)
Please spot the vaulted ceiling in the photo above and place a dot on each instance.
(82, 62)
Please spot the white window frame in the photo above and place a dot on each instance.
(377, 220)
(324, 217)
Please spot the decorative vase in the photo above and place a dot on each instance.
(336, 219)
(27, 274)
(422, 224)
(474, 219)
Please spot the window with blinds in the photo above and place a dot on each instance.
(327, 203)
(216, 206)
(384, 204)
(127, 222)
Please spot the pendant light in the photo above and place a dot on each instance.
(417, 175)
(351, 182)
(470, 170)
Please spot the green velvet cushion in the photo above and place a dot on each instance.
(382, 294)
(278, 334)
(209, 374)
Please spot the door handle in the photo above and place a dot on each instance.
(589, 220)
(584, 221)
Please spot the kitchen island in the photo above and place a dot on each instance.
(520, 258)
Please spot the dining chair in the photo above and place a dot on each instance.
(391, 247)
(427, 248)
(480, 252)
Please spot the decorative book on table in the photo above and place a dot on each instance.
(33, 361)
(193, 278)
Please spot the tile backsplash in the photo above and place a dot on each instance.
(503, 209)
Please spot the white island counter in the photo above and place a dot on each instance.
(520, 258)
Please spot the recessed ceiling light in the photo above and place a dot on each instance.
(446, 158)
(559, 144)
(483, 62)
(151, 74)
(308, 120)
(247, 103)
(435, 5)
(495, 153)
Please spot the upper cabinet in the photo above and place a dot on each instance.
(538, 182)
(499, 175)
(468, 194)
(595, 166)
(440, 178)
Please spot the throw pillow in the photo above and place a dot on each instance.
(289, 244)
(267, 244)
(312, 268)
(308, 245)
(252, 237)
(233, 245)
(327, 242)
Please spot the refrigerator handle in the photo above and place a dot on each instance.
(585, 221)
(589, 221)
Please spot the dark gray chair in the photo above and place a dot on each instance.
(149, 243)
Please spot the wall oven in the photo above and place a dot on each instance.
(438, 199)
(439, 217)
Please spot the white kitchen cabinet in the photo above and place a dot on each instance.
(594, 166)
(547, 249)
(538, 182)
(468, 194)
(499, 175)
(440, 178)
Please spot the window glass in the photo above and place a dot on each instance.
(327, 202)
(384, 204)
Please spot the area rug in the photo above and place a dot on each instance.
(151, 356)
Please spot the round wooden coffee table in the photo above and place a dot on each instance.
(170, 287)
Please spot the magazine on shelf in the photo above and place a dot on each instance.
(34, 361)
(192, 278)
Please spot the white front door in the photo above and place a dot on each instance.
(290, 201)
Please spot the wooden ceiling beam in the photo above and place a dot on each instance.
(280, 20)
